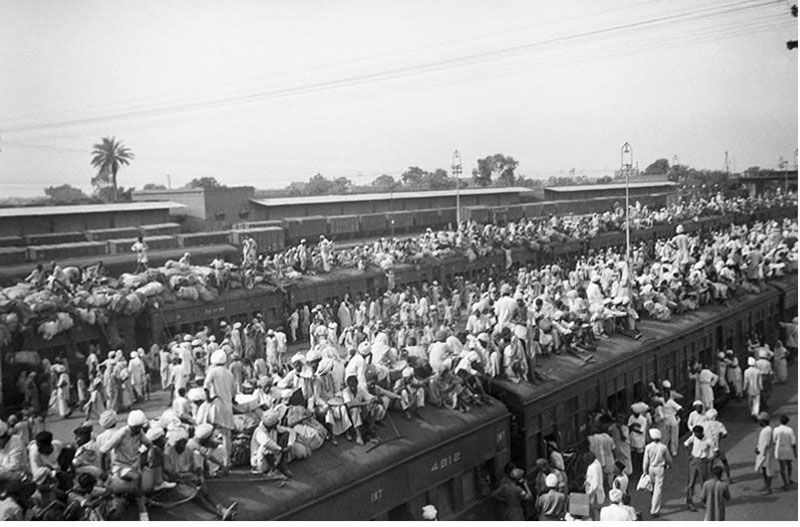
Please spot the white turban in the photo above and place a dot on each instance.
(219, 358)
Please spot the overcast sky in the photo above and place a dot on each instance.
(264, 93)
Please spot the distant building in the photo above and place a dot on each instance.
(205, 209)
(578, 192)
(23, 221)
(757, 182)
(348, 204)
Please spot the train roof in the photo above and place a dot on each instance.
(348, 198)
(565, 369)
(15, 212)
(331, 469)
(611, 186)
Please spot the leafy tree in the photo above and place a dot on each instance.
(659, 166)
(384, 181)
(205, 183)
(413, 177)
(317, 185)
(153, 186)
(66, 194)
(107, 157)
(498, 167)
(439, 179)
(320, 185)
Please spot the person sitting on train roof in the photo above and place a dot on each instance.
(181, 464)
(37, 276)
(358, 402)
(123, 449)
(378, 387)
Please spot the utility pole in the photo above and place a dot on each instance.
(626, 162)
(726, 163)
(456, 168)
(169, 182)
(391, 205)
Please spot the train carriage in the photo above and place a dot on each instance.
(622, 368)
(447, 458)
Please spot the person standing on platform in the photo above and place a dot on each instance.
(614, 511)
(705, 380)
(220, 390)
(716, 432)
(670, 410)
(764, 365)
(700, 451)
(656, 462)
(780, 363)
(512, 492)
(620, 434)
(752, 387)
(734, 374)
(551, 505)
(715, 494)
(785, 449)
(637, 428)
(765, 452)
(594, 484)
(697, 416)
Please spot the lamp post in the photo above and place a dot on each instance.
(456, 168)
(391, 205)
(626, 160)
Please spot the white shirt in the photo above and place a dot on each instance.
(616, 513)
(594, 483)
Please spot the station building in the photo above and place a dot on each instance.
(25, 221)
(609, 190)
(205, 209)
(348, 204)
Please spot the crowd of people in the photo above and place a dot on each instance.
(472, 240)
(238, 396)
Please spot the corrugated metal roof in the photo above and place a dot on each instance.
(610, 186)
(17, 212)
(339, 198)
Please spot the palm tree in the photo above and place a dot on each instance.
(107, 156)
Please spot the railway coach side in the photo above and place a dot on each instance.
(618, 375)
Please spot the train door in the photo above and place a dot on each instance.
(705, 350)
(616, 396)
(639, 384)
(572, 422)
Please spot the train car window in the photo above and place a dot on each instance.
(400, 513)
(639, 392)
(444, 498)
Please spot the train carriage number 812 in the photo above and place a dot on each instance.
(444, 462)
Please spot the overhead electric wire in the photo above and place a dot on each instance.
(428, 67)
(155, 98)
(667, 41)
(645, 44)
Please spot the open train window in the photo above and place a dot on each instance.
(444, 498)
(639, 392)
(617, 402)
(400, 513)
